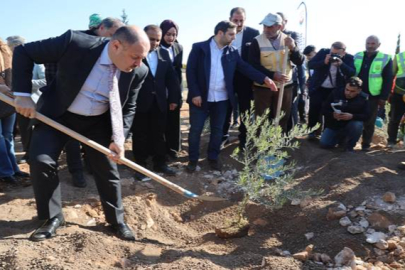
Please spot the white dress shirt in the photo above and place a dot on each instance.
(93, 96)
(217, 88)
(152, 59)
(171, 52)
(237, 43)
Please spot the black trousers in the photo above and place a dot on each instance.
(396, 113)
(46, 146)
(148, 135)
(25, 132)
(173, 132)
(369, 125)
(316, 100)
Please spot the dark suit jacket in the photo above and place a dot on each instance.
(321, 71)
(165, 78)
(242, 84)
(76, 53)
(178, 65)
(198, 71)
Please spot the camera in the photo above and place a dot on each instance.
(334, 57)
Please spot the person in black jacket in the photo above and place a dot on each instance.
(170, 31)
(345, 110)
(149, 124)
(242, 84)
(332, 67)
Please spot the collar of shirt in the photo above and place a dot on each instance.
(214, 45)
(104, 57)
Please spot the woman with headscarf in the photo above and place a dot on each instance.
(8, 164)
(169, 42)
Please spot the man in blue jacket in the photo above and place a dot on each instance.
(332, 67)
(210, 72)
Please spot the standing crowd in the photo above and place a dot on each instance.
(114, 82)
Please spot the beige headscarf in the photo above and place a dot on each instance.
(5, 63)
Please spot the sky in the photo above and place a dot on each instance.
(349, 21)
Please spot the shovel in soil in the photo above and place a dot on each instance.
(186, 193)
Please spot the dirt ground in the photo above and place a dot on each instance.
(177, 233)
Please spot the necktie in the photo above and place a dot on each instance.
(115, 108)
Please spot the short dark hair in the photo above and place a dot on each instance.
(224, 26)
(308, 49)
(109, 22)
(126, 35)
(237, 9)
(355, 81)
(338, 45)
(153, 27)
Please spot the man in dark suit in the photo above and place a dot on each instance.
(242, 84)
(210, 74)
(88, 97)
(332, 67)
(149, 124)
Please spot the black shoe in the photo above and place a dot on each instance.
(48, 229)
(401, 166)
(165, 169)
(9, 179)
(172, 155)
(365, 148)
(123, 232)
(22, 174)
(78, 179)
(191, 166)
(214, 165)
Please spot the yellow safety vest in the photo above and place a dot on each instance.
(375, 79)
(273, 59)
(400, 81)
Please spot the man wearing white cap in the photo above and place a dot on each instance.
(266, 54)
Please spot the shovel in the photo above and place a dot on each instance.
(122, 160)
(281, 92)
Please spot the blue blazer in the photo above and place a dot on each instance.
(198, 71)
(321, 71)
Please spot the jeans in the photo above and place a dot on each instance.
(217, 113)
(8, 163)
(348, 135)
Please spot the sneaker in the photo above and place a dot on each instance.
(191, 166)
(390, 145)
(21, 174)
(141, 177)
(165, 170)
(214, 164)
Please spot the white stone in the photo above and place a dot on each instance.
(286, 253)
(208, 176)
(309, 235)
(392, 228)
(345, 257)
(355, 229)
(342, 206)
(345, 221)
(360, 208)
(364, 223)
(91, 222)
(198, 168)
(375, 237)
(77, 206)
(295, 202)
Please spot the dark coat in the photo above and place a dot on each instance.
(358, 106)
(242, 84)
(198, 71)
(321, 70)
(76, 53)
(155, 86)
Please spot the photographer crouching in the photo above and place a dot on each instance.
(332, 67)
(345, 110)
